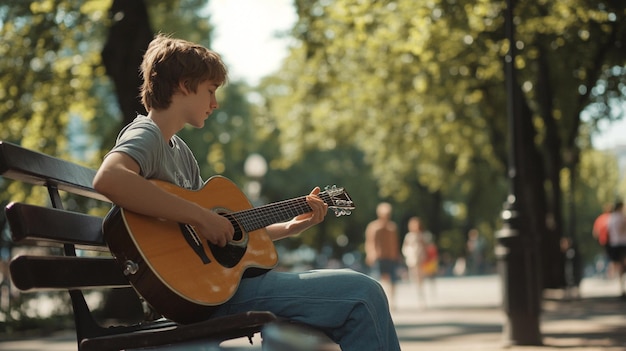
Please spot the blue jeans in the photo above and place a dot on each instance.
(350, 307)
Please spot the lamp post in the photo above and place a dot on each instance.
(515, 247)
(255, 168)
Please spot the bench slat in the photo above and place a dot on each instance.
(37, 168)
(63, 272)
(215, 329)
(53, 225)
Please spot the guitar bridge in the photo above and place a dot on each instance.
(193, 239)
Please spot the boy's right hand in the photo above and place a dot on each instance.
(215, 228)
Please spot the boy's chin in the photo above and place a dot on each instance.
(198, 125)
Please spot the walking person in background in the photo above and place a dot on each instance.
(476, 246)
(601, 225)
(382, 249)
(414, 250)
(430, 267)
(617, 244)
(600, 232)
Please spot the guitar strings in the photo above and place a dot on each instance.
(262, 216)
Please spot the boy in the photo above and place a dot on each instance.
(180, 81)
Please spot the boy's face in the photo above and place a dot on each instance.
(199, 105)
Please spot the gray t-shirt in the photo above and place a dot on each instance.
(157, 158)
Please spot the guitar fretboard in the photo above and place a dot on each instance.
(262, 216)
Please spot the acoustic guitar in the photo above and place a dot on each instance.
(182, 275)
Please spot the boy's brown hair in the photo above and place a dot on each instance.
(168, 62)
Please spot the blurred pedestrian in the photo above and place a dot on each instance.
(430, 267)
(415, 255)
(573, 274)
(382, 251)
(617, 244)
(601, 225)
(476, 247)
(600, 232)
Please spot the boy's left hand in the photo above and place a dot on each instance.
(320, 208)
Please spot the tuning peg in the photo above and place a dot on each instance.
(344, 203)
(341, 212)
(333, 190)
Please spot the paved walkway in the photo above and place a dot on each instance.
(465, 314)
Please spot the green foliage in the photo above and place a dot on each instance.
(49, 68)
(598, 170)
(373, 66)
(184, 19)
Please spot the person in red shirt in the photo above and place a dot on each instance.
(601, 226)
(600, 232)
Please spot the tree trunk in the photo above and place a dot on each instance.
(129, 36)
(532, 200)
(552, 258)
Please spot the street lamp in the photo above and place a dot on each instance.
(516, 248)
(255, 168)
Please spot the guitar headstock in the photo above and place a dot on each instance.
(338, 200)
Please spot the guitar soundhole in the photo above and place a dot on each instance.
(231, 254)
(238, 235)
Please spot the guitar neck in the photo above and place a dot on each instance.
(262, 216)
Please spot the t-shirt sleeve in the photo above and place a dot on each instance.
(142, 144)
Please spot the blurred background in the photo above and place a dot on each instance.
(400, 101)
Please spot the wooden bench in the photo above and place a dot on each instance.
(94, 268)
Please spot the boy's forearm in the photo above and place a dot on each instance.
(283, 230)
(277, 231)
(134, 193)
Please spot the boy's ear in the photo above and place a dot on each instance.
(183, 86)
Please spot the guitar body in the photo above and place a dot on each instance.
(181, 275)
